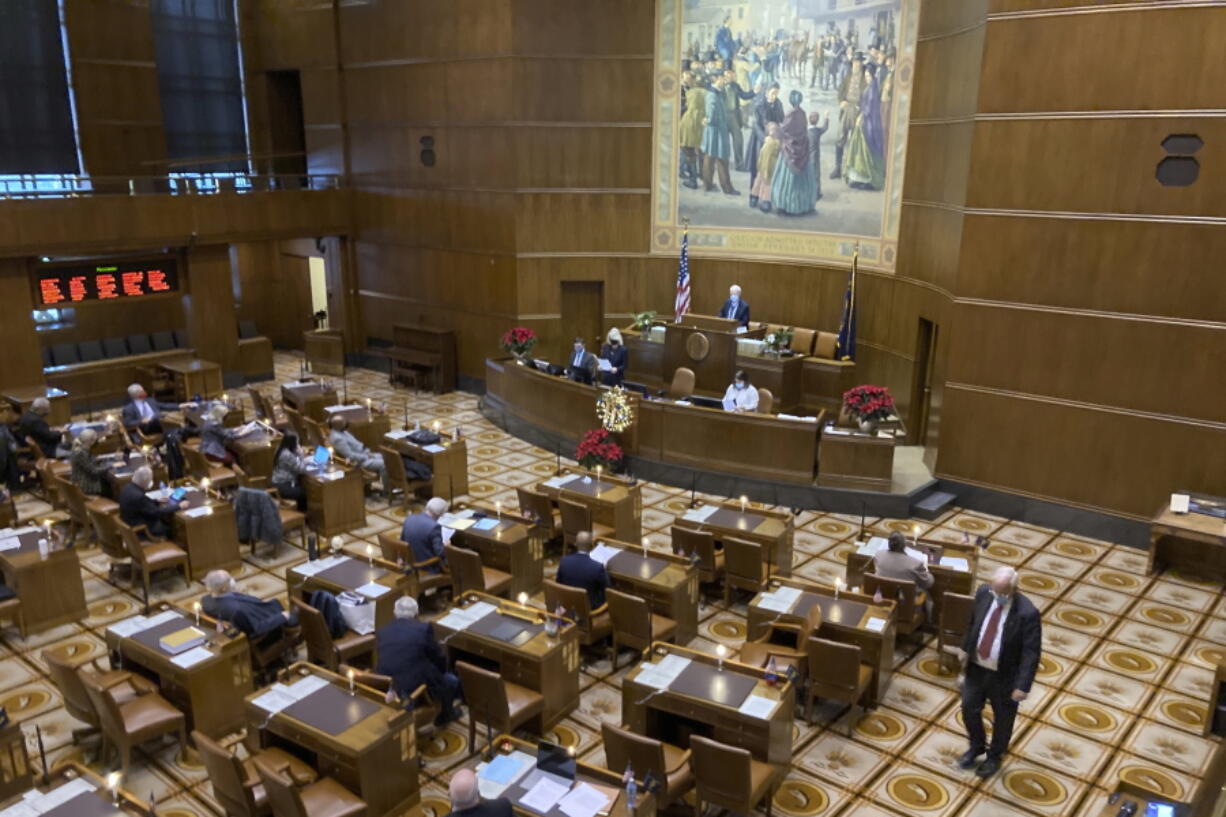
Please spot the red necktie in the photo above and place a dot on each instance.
(989, 633)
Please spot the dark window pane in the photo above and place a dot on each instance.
(36, 134)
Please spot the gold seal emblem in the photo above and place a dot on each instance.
(697, 346)
(1090, 718)
(1035, 787)
(920, 793)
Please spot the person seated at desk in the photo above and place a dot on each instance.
(214, 436)
(409, 653)
(143, 413)
(135, 508)
(10, 471)
(580, 570)
(618, 357)
(350, 447)
(288, 468)
(741, 396)
(423, 533)
(582, 366)
(252, 616)
(33, 425)
(734, 308)
(466, 798)
(88, 472)
(895, 563)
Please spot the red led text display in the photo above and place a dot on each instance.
(56, 286)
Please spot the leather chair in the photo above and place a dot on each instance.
(667, 763)
(711, 562)
(766, 401)
(576, 518)
(397, 478)
(102, 514)
(323, 798)
(910, 601)
(74, 503)
(424, 708)
(200, 467)
(953, 622)
(634, 625)
(743, 567)
(236, 783)
(152, 555)
(802, 341)
(594, 626)
(825, 345)
(396, 550)
(468, 573)
(298, 423)
(10, 610)
(537, 506)
(69, 680)
(322, 648)
(316, 434)
(786, 642)
(730, 777)
(129, 715)
(682, 385)
(835, 673)
(501, 705)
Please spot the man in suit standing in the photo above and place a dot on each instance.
(410, 655)
(580, 570)
(466, 798)
(137, 509)
(33, 425)
(424, 534)
(252, 615)
(582, 366)
(1001, 647)
(895, 563)
(734, 307)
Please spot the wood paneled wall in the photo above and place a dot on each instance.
(21, 361)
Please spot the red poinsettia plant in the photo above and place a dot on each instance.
(518, 341)
(596, 448)
(869, 402)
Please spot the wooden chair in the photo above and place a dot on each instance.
(397, 478)
(102, 514)
(151, 555)
(954, 621)
(576, 518)
(688, 541)
(730, 777)
(322, 648)
(911, 615)
(396, 550)
(69, 680)
(323, 798)
(78, 516)
(634, 625)
(786, 642)
(802, 341)
(667, 763)
(292, 519)
(682, 385)
(298, 423)
(236, 783)
(130, 715)
(316, 434)
(200, 467)
(537, 506)
(743, 567)
(468, 573)
(424, 708)
(501, 705)
(11, 610)
(594, 626)
(246, 480)
(825, 345)
(835, 673)
(766, 401)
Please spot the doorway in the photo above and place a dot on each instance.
(921, 381)
(287, 132)
(318, 270)
(582, 315)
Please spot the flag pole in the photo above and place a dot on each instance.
(851, 311)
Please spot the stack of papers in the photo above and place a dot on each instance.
(874, 624)
(756, 706)
(434, 448)
(138, 624)
(558, 482)
(398, 434)
(371, 590)
(319, 565)
(603, 553)
(583, 801)
(10, 543)
(329, 476)
(280, 696)
(461, 618)
(662, 674)
(203, 510)
(495, 777)
(796, 417)
(34, 802)
(457, 521)
(701, 514)
(160, 495)
(192, 657)
(6, 532)
(956, 562)
(489, 523)
(544, 795)
(781, 600)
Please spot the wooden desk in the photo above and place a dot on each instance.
(710, 353)
(21, 398)
(211, 692)
(512, 547)
(666, 581)
(945, 579)
(844, 619)
(1192, 542)
(449, 467)
(16, 772)
(350, 570)
(544, 664)
(367, 745)
(50, 589)
(705, 700)
(781, 375)
(324, 350)
(309, 397)
(210, 539)
(614, 501)
(110, 436)
(1128, 792)
(335, 505)
(256, 451)
(193, 377)
(823, 382)
(855, 460)
(89, 796)
(773, 530)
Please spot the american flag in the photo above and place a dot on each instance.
(682, 305)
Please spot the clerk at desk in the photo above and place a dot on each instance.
(734, 307)
(741, 396)
(582, 365)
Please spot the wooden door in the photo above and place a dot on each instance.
(582, 315)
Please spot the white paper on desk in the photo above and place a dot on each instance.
(455, 620)
(683, 402)
(447, 533)
(307, 568)
(305, 686)
(23, 809)
(756, 706)
(701, 514)
(160, 618)
(160, 495)
(398, 434)
(26, 529)
(202, 510)
(192, 657)
(543, 795)
(1179, 503)
(347, 407)
(373, 590)
(740, 330)
(480, 610)
(874, 624)
(885, 434)
(662, 674)
(956, 563)
(558, 482)
(11, 543)
(583, 801)
(434, 448)
(59, 796)
(490, 788)
(603, 553)
(796, 417)
(275, 699)
(772, 602)
(330, 476)
(839, 432)
(604, 365)
(127, 627)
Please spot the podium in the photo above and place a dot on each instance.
(707, 346)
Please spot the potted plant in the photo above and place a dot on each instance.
(598, 448)
(519, 342)
(779, 341)
(868, 406)
(644, 320)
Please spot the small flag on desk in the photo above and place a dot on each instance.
(682, 305)
(846, 347)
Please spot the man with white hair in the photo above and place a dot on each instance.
(33, 425)
(424, 534)
(141, 412)
(251, 615)
(351, 448)
(1002, 648)
(466, 798)
(734, 308)
(135, 508)
(410, 655)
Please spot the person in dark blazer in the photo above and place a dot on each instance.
(410, 655)
(614, 352)
(466, 798)
(582, 364)
(142, 412)
(424, 534)
(33, 425)
(734, 307)
(1002, 647)
(251, 615)
(137, 509)
(580, 570)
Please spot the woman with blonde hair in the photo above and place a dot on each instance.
(615, 352)
(88, 472)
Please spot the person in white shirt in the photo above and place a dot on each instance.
(741, 396)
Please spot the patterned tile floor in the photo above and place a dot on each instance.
(1121, 692)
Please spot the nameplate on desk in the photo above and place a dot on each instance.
(558, 482)
(956, 563)
(683, 402)
(875, 625)
(603, 553)
(192, 657)
(701, 514)
(349, 407)
(756, 706)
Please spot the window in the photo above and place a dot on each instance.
(53, 318)
(200, 82)
(36, 132)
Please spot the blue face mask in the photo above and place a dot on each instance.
(740, 386)
(1001, 599)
